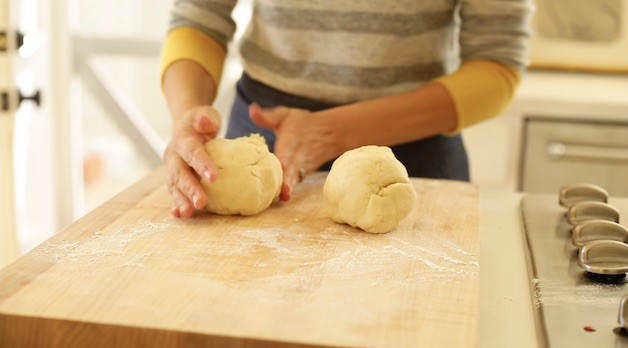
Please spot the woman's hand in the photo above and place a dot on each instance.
(304, 141)
(187, 161)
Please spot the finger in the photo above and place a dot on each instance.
(186, 182)
(285, 147)
(290, 180)
(267, 118)
(193, 153)
(291, 176)
(175, 165)
(181, 205)
(284, 154)
(206, 125)
(285, 188)
(294, 159)
(286, 193)
(294, 171)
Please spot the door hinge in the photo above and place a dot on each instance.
(4, 101)
(4, 41)
(35, 98)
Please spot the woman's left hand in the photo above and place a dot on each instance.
(305, 140)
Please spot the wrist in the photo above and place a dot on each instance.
(183, 107)
(187, 86)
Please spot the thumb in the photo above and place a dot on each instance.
(204, 124)
(267, 118)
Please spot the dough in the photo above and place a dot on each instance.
(369, 188)
(249, 176)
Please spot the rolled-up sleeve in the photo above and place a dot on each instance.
(199, 31)
(211, 17)
(496, 30)
(494, 50)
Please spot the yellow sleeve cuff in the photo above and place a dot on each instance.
(189, 43)
(480, 89)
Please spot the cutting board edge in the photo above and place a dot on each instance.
(90, 334)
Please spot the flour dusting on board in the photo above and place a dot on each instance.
(342, 253)
(275, 256)
(267, 239)
(100, 245)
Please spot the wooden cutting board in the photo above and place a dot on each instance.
(130, 274)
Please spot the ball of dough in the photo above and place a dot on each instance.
(249, 176)
(369, 188)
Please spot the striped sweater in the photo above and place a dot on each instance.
(341, 51)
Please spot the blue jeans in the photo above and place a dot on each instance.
(440, 157)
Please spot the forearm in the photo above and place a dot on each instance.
(187, 85)
(394, 119)
(477, 91)
(193, 53)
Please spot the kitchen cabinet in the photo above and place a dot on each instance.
(559, 151)
(586, 105)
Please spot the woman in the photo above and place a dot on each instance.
(322, 77)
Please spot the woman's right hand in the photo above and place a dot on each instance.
(187, 161)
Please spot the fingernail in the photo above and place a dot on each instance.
(257, 107)
(208, 175)
(286, 194)
(195, 200)
(185, 208)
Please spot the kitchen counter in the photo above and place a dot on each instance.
(572, 96)
(506, 318)
(505, 315)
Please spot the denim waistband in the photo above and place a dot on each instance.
(266, 96)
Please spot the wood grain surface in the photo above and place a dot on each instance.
(130, 274)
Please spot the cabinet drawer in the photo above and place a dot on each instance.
(558, 152)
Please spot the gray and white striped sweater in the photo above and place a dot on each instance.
(342, 51)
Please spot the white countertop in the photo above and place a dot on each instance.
(573, 95)
(506, 317)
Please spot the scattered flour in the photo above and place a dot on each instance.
(336, 252)
(100, 245)
(553, 292)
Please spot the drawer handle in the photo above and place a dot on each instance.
(563, 151)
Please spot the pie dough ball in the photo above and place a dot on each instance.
(249, 176)
(369, 188)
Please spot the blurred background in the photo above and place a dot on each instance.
(100, 122)
(92, 120)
